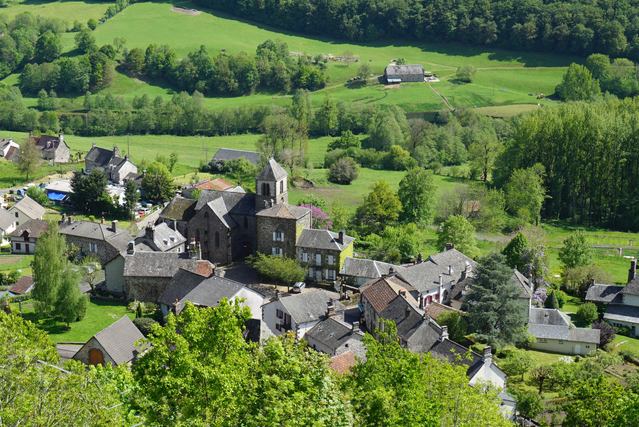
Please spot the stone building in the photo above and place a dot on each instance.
(118, 344)
(116, 167)
(230, 225)
(95, 239)
(25, 237)
(52, 148)
(323, 253)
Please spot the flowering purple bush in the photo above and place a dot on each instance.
(540, 296)
(320, 218)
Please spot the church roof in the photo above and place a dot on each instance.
(272, 172)
(284, 211)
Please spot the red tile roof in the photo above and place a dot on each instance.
(218, 184)
(343, 363)
(378, 294)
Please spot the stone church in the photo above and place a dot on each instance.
(230, 225)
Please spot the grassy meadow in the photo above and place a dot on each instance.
(503, 77)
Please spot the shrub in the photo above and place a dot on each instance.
(39, 195)
(144, 324)
(465, 74)
(278, 269)
(529, 403)
(607, 332)
(586, 314)
(343, 171)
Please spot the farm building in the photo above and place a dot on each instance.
(404, 73)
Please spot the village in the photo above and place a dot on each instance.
(199, 248)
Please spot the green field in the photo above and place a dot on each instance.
(99, 315)
(66, 10)
(503, 77)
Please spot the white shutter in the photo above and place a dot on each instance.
(275, 236)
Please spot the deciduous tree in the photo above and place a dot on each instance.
(381, 207)
(417, 195)
(456, 230)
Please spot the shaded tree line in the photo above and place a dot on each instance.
(557, 26)
(273, 68)
(590, 154)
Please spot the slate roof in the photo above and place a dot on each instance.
(162, 238)
(30, 208)
(525, 290)
(272, 172)
(435, 309)
(622, 313)
(368, 268)
(179, 209)
(604, 293)
(207, 293)
(182, 283)
(405, 315)
(224, 154)
(403, 70)
(22, 286)
(157, 264)
(119, 238)
(6, 219)
(35, 228)
(100, 156)
(47, 142)
(632, 288)
(234, 203)
(284, 211)
(309, 306)
(424, 276)
(323, 239)
(332, 333)
(547, 323)
(379, 293)
(118, 340)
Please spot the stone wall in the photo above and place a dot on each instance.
(146, 289)
(266, 226)
(105, 252)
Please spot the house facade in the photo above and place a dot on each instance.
(25, 237)
(554, 332)
(104, 242)
(323, 253)
(52, 148)
(26, 209)
(298, 313)
(7, 226)
(116, 167)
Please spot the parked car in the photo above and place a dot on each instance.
(297, 287)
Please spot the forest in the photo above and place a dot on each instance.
(579, 27)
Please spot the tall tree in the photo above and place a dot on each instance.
(301, 110)
(417, 195)
(71, 304)
(456, 230)
(29, 158)
(326, 117)
(576, 251)
(131, 196)
(483, 151)
(381, 207)
(525, 193)
(578, 85)
(282, 141)
(49, 265)
(495, 315)
(90, 192)
(157, 183)
(516, 252)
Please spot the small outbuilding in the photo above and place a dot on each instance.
(403, 73)
(117, 344)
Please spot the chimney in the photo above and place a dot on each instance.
(632, 272)
(174, 225)
(340, 237)
(441, 280)
(69, 219)
(391, 271)
(449, 246)
(114, 225)
(443, 335)
(61, 137)
(355, 327)
(277, 294)
(450, 270)
(130, 248)
(330, 308)
(148, 231)
(487, 357)
(420, 258)
(402, 292)
(265, 204)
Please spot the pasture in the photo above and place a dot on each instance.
(502, 78)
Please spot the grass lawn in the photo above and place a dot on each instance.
(100, 314)
(625, 343)
(68, 11)
(9, 263)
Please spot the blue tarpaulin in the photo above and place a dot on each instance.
(56, 197)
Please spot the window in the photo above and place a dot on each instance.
(331, 274)
(304, 257)
(318, 259)
(16, 214)
(278, 236)
(279, 313)
(277, 251)
(93, 247)
(266, 189)
(330, 259)
(281, 186)
(17, 223)
(542, 340)
(217, 239)
(18, 246)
